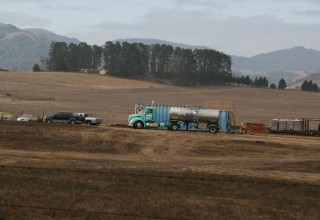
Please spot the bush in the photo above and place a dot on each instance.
(273, 86)
(36, 68)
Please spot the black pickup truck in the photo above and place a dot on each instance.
(70, 118)
(60, 117)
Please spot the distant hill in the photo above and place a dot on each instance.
(52, 36)
(20, 49)
(148, 41)
(290, 64)
(314, 77)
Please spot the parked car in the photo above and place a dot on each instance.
(27, 117)
(88, 119)
(60, 117)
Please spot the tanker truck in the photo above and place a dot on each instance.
(176, 118)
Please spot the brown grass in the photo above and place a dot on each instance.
(54, 171)
(113, 98)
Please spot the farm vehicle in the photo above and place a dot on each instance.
(176, 118)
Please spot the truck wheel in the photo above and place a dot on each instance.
(49, 121)
(88, 122)
(213, 129)
(72, 122)
(138, 125)
(174, 127)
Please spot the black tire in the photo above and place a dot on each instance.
(49, 120)
(174, 127)
(72, 122)
(138, 125)
(213, 129)
(88, 123)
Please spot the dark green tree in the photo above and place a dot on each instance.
(273, 86)
(261, 82)
(305, 86)
(96, 56)
(282, 84)
(184, 67)
(36, 68)
(58, 56)
(315, 87)
(309, 86)
(247, 81)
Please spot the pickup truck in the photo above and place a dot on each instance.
(60, 117)
(88, 119)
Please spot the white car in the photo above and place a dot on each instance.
(27, 117)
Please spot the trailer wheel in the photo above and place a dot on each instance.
(138, 125)
(174, 127)
(213, 129)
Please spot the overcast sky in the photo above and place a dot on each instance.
(235, 27)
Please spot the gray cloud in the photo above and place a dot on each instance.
(204, 3)
(22, 1)
(310, 12)
(204, 22)
(70, 7)
(232, 35)
(21, 19)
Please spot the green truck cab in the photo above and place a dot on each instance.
(143, 118)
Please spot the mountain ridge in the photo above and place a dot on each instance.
(290, 64)
(20, 49)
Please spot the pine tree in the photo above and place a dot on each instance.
(36, 68)
(282, 84)
(304, 86)
(315, 87)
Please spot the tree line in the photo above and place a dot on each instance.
(72, 57)
(185, 67)
(309, 86)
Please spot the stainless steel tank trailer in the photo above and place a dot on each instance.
(180, 118)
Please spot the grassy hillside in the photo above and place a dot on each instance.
(314, 77)
(63, 171)
(21, 49)
(53, 171)
(113, 99)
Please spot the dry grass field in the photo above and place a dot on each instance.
(58, 171)
(113, 99)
